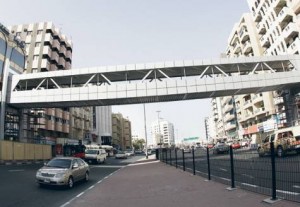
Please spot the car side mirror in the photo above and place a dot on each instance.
(75, 165)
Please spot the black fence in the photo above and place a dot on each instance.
(244, 168)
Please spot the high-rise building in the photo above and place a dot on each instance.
(12, 61)
(47, 49)
(162, 132)
(121, 132)
(271, 29)
(102, 127)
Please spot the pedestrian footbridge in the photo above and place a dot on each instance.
(153, 82)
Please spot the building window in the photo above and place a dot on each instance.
(18, 33)
(37, 44)
(35, 57)
(29, 32)
(39, 31)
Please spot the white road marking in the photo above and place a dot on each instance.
(296, 186)
(247, 184)
(223, 169)
(287, 192)
(249, 176)
(143, 163)
(80, 194)
(16, 170)
(225, 179)
(91, 187)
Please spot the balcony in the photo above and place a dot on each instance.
(296, 7)
(260, 111)
(228, 107)
(53, 67)
(228, 117)
(47, 51)
(257, 98)
(237, 48)
(58, 126)
(248, 115)
(294, 47)
(278, 100)
(50, 125)
(278, 5)
(247, 104)
(245, 36)
(56, 45)
(257, 16)
(225, 100)
(45, 65)
(54, 56)
(247, 48)
(230, 126)
(265, 41)
(69, 55)
(66, 128)
(261, 29)
(68, 65)
(63, 50)
(48, 38)
(61, 62)
(290, 31)
(50, 111)
(66, 115)
(58, 113)
(285, 16)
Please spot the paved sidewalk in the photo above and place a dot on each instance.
(153, 183)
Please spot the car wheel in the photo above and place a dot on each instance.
(261, 152)
(87, 177)
(70, 182)
(280, 152)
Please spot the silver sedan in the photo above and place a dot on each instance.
(63, 171)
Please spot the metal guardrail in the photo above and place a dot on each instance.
(243, 168)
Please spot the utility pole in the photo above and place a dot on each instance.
(158, 128)
(146, 140)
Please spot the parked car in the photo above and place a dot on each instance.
(121, 155)
(220, 147)
(95, 155)
(235, 145)
(63, 171)
(129, 153)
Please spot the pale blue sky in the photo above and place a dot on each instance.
(112, 32)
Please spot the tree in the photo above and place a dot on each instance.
(138, 144)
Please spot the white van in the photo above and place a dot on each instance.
(95, 155)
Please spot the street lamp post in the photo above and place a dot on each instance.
(146, 140)
(159, 128)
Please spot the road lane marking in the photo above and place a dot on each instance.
(108, 166)
(287, 192)
(16, 170)
(247, 184)
(296, 186)
(249, 176)
(91, 187)
(223, 169)
(143, 163)
(80, 194)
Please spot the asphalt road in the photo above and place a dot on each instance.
(251, 172)
(18, 186)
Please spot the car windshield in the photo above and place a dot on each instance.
(60, 163)
(120, 152)
(91, 151)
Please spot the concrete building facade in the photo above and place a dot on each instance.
(162, 132)
(121, 132)
(47, 49)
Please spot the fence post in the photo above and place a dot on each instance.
(166, 155)
(194, 167)
(232, 168)
(273, 172)
(170, 156)
(183, 161)
(176, 157)
(156, 154)
(208, 163)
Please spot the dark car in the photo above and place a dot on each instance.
(220, 148)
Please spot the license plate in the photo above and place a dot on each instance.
(46, 181)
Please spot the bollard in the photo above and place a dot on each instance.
(232, 168)
(183, 161)
(208, 163)
(176, 157)
(273, 172)
(194, 167)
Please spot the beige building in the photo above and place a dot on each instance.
(47, 49)
(121, 132)
(271, 29)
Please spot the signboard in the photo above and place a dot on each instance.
(191, 139)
